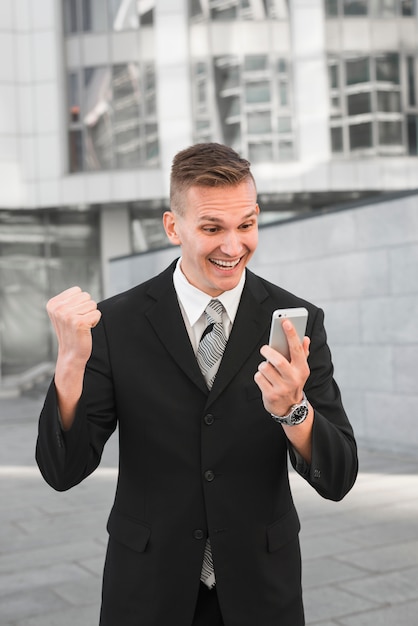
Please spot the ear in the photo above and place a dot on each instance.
(169, 223)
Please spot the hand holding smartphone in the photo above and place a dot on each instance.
(298, 316)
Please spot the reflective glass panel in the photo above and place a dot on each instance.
(123, 14)
(259, 122)
(333, 76)
(75, 150)
(283, 93)
(388, 101)
(383, 8)
(387, 68)
(227, 74)
(412, 129)
(224, 10)
(411, 81)
(390, 133)
(331, 7)
(260, 152)
(146, 12)
(285, 149)
(284, 124)
(357, 71)
(337, 139)
(359, 103)
(355, 7)
(255, 62)
(94, 14)
(126, 130)
(97, 117)
(257, 91)
(73, 97)
(360, 135)
(408, 7)
(70, 16)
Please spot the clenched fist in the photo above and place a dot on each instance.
(73, 314)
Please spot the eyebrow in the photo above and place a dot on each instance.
(217, 220)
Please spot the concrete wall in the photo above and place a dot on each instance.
(361, 266)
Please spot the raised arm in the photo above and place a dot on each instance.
(73, 314)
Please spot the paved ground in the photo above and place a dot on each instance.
(360, 555)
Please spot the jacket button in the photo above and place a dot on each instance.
(209, 475)
(209, 419)
(198, 534)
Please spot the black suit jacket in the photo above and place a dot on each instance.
(194, 462)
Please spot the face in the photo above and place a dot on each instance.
(218, 234)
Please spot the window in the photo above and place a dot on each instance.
(112, 117)
(255, 62)
(227, 10)
(411, 81)
(412, 129)
(248, 107)
(259, 122)
(260, 152)
(355, 7)
(360, 136)
(388, 101)
(369, 8)
(387, 68)
(359, 103)
(337, 139)
(390, 133)
(369, 109)
(357, 71)
(257, 91)
(95, 16)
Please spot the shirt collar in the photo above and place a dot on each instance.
(194, 301)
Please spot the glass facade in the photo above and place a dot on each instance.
(112, 117)
(373, 104)
(112, 107)
(251, 107)
(96, 16)
(41, 254)
(372, 8)
(241, 99)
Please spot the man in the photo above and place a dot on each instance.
(203, 489)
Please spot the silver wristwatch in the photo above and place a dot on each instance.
(298, 414)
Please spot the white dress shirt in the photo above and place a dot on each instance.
(193, 302)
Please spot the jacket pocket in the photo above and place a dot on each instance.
(128, 531)
(283, 530)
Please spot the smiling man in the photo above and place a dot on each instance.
(203, 531)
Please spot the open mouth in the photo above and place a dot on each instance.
(225, 265)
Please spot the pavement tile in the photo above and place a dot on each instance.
(34, 602)
(393, 587)
(399, 615)
(360, 556)
(329, 602)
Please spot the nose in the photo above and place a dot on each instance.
(231, 244)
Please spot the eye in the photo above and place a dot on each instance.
(247, 225)
(210, 229)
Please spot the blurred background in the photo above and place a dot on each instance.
(96, 97)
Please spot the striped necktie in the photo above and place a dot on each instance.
(212, 342)
(209, 355)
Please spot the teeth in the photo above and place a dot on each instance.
(228, 264)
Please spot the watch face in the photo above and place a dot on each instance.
(299, 414)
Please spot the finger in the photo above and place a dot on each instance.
(274, 357)
(295, 344)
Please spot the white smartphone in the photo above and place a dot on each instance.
(298, 316)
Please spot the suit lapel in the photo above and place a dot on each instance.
(167, 320)
(252, 319)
